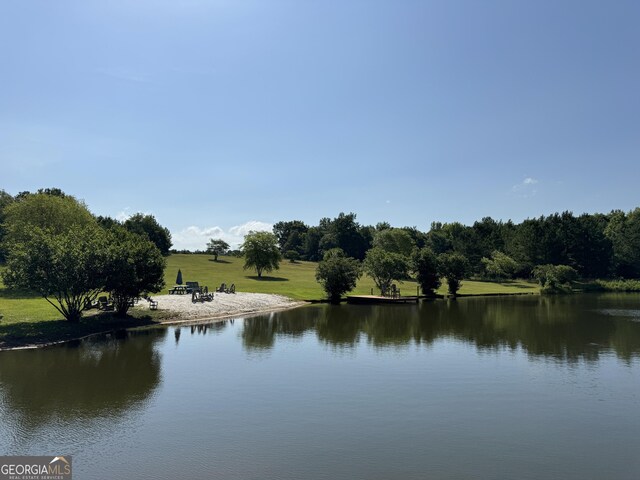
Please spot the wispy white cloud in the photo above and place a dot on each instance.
(196, 238)
(525, 189)
(251, 226)
(123, 214)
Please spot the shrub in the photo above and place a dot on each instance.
(555, 278)
(338, 274)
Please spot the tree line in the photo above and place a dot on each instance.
(594, 245)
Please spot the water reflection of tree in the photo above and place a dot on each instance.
(388, 325)
(556, 327)
(259, 332)
(338, 326)
(567, 328)
(88, 379)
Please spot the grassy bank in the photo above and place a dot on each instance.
(613, 286)
(27, 318)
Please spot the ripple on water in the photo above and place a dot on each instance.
(633, 315)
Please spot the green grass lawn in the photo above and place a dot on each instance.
(297, 280)
(28, 318)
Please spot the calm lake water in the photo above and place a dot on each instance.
(528, 387)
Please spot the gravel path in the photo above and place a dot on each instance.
(223, 305)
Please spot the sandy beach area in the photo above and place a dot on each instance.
(223, 305)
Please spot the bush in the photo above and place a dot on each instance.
(292, 256)
(338, 274)
(555, 278)
(619, 285)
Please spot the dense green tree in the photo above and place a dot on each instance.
(592, 251)
(425, 265)
(438, 239)
(418, 238)
(395, 240)
(623, 231)
(489, 235)
(295, 243)
(67, 268)
(261, 252)
(385, 268)
(107, 222)
(217, 246)
(148, 226)
(5, 200)
(454, 267)
(291, 235)
(499, 266)
(345, 233)
(134, 267)
(338, 274)
(54, 214)
(311, 246)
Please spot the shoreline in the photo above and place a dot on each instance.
(188, 316)
(226, 316)
(282, 304)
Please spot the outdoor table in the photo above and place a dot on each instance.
(178, 290)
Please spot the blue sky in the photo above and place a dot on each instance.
(221, 116)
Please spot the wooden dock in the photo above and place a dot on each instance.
(377, 300)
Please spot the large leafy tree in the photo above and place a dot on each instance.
(66, 268)
(425, 265)
(290, 235)
(261, 252)
(5, 200)
(395, 240)
(345, 233)
(134, 267)
(454, 267)
(217, 246)
(54, 214)
(385, 267)
(148, 226)
(311, 244)
(54, 247)
(338, 274)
